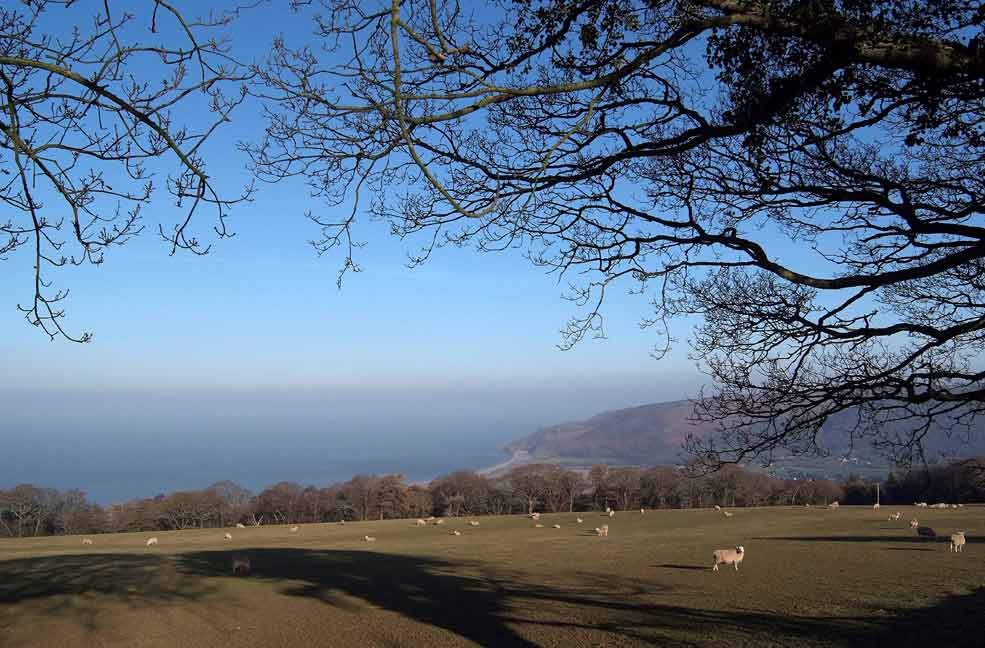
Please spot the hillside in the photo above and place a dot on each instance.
(652, 434)
(648, 434)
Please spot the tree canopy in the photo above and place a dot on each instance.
(85, 114)
(805, 176)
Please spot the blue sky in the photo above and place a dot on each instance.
(254, 347)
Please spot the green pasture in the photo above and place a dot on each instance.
(811, 577)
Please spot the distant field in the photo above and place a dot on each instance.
(811, 577)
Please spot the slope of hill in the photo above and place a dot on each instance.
(652, 434)
(645, 434)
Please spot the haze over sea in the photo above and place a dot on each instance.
(121, 445)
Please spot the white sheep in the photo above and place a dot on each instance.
(954, 506)
(895, 516)
(535, 516)
(538, 526)
(717, 507)
(960, 505)
(241, 565)
(240, 525)
(608, 509)
(729, 557)
(726, 514)
(612, 514)
(152, 541)
(914, 523)
(473, 523)
(420, 522)
(294, 529)
(456, 532)
(438, 521)
(228, 536)
(603, 531)
(342, 522)
(875, 507)
(369, 538)
(834, 505)
(642, 511)
(557, 526)
(86, 541)
(957, 542)
(927, 533)
(579, 520)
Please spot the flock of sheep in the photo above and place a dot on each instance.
(734, 556)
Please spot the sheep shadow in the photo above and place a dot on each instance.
(687, 567)
(75, 585)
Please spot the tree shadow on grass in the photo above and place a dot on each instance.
(76, 585)
(483, 604)
(914, 538)
(494, 608)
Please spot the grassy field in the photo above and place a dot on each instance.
(811, 577)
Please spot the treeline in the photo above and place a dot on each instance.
(27, 510)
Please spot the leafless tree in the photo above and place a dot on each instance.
(804, 176)
(85, 114)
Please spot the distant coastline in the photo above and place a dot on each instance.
(517, 458)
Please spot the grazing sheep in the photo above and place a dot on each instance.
(914, 523)
(612, 514)
(369, 538)
(438, 521)
(642, 511)
(342, 522)
(294, 529)
(834, 505)
(538, 526)
(535, 516)
(228, 536)
(957, 542)
(86, 541)
(240, 525)
(420, 522)
(473, 523)
(717, 507)
(608, 509)
(895, 516)
(579, 520)
(602, 531)
(875, 507)
(808, 505)
(152, 541)
(729, 557)
(726, 514)
(456, 532)
(557, 526)
(954, 506)
(960, 505)
(241, 565)
(926, 533)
